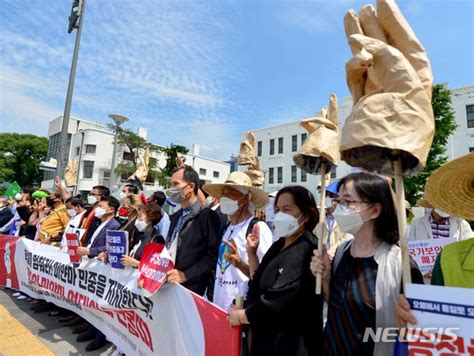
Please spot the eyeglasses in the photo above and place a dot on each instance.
(346, 204)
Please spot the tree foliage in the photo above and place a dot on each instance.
(445, 125)
(20, 157)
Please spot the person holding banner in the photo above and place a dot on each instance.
(362, 284)
(193, 239)
(238, 200)
(77, 214)
(282, 310)
(51, 228)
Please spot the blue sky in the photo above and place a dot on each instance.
(199, 71)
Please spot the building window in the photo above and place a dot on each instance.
(215, 174)
(88, 169)
(333, 172)
(272, 146)
(280, 175)
(78, 150)
(294, 143)
(128, 156)
(303, 176)
(259, 148)
(293, 174)
(303, 137)
(90, 149)
(270, 175)
(202, 171)
(471, 149)
(470, 115)
(280, 145)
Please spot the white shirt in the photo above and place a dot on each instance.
(164, 225)
(96, 232)
(230, 281)
(72, 225)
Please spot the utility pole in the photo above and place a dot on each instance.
(76, 21)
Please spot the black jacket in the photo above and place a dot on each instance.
(5, 216)
(284, 312)
(145, 238)
(198, 246)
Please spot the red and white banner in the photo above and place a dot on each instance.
(173, 321)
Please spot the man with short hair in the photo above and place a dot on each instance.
(105, 211)
(193, 239)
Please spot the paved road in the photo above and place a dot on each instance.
(59, 339)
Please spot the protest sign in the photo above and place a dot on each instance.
(444, 317)
(154, 264)
(117, 246)
(424, 252)
(173, 321)
(72, 245)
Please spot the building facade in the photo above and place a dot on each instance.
(277, 145)
(462, 141)
(92, 146)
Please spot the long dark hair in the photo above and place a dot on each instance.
(376, 190)
(304, 200)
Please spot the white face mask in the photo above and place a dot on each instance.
(285, 224)
(441, 213)
(208, 200)
(91, 199)
(18, 196)
(99, 212)
(348, 220)
(140, 225)
(72, 213)
(123, 195)
(229, 206)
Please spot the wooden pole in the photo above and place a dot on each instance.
(322, 217)
(402, 221)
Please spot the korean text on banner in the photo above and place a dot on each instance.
(445, 319)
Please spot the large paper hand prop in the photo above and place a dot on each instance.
(322, 143)
(390, 81)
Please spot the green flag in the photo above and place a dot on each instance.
(12, 190)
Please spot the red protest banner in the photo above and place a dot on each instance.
(72, 245)
(154, 264)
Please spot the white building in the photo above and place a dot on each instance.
(462, 141)
(92, 146)
(209, 170)
(277, 145)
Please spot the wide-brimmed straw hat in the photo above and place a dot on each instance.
(451, 187)
(240, 181)
(424, 203)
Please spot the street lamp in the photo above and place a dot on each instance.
(119, 120)
(76, 21)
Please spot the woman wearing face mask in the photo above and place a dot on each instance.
(362, 284)
(147, 217)
(282, 310)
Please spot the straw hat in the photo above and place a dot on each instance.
(238, 180)
(424, 203)
(451, 187)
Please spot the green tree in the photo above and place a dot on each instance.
(445, 125)
(171, 152)
(20, 157)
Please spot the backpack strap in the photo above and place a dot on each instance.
(340, 251)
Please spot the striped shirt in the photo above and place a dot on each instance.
(440, 230)
(351, 307)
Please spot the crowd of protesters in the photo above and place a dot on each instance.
(222, 250)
